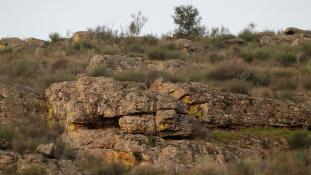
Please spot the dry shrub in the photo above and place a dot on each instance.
(227, 70)
(237, 86)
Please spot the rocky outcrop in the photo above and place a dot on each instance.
(83, 36)
(34, 42)
(124, 122)
(11, 42)
(290, 36)
(127, 103)
(118, 63)
(296, 31)
(19, 103)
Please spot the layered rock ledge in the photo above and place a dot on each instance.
(125, 122)
(118, 63)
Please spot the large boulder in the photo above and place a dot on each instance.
(48, 150)
(34, 42)
(124, 122)
(118, 63)
(91, 101)
(164, 106)
(20, 103)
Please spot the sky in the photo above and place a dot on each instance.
(38, 18)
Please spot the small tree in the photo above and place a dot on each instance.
(138, 22)
(188, 21)
(54, 37)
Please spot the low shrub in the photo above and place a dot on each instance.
(33, 170)
(214, 58)
(288, 59)
(54, 37)
(246, 54)
(22, 67)
(262, 78)
(306, 82)
(6, 50)
(227, 70)
(82, 45)
(96, 166)
(161, 53)
(135, 48)
(300, 140)
(249, 36)
(129, 76)
(26, 137)
(237, 86)
(100, 71)
(284, 84)
(200, 132)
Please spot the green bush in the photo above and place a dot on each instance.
(237, 86)
(100, 71)
(129, 76)
(284, 84)
(258, 78)
(6, 50)
(227, 71)
(33, 170)
(306, 81)
(82, 45)
(214, 58)
(135, 48)
(288, 59)
(161, 53)
(248, 35)
(263, 53)
(54, 37)
(26, 137)
(299, 140)
(22, 68)
(246, 54)
(96, 166)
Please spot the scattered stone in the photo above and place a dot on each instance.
(48, 150)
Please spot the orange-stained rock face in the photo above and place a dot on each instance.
(124, 122)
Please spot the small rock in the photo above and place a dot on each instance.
(48, 150)
(4, 144)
